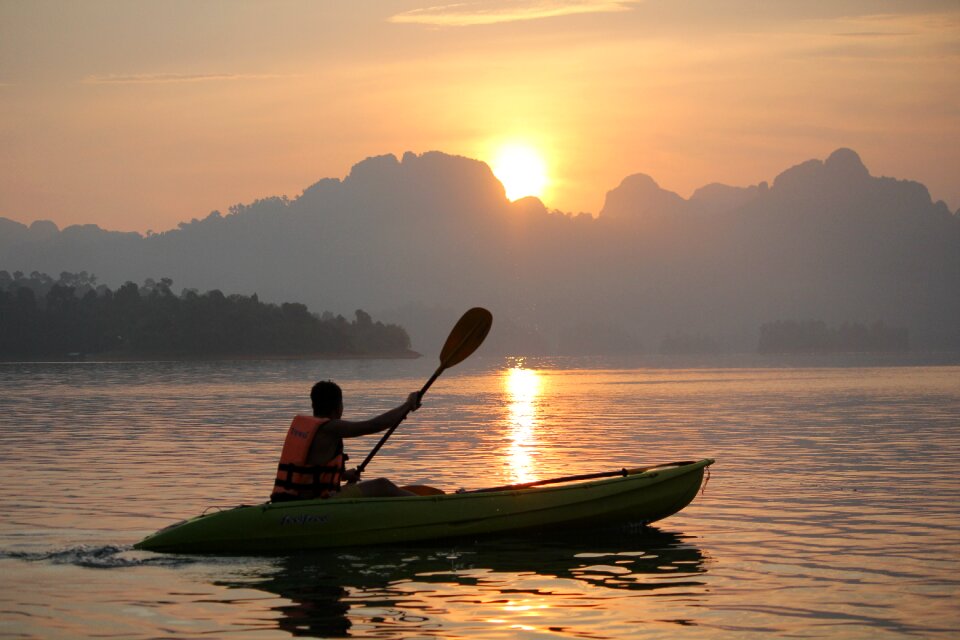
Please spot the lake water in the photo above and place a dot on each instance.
(833, 510)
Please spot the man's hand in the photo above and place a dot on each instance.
(413, 401)
(350, 476)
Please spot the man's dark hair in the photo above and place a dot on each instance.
(326, 398)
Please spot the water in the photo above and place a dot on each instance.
(833, 509)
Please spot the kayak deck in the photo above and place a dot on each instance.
(644, 495)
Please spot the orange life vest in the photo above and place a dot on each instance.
(297, 480)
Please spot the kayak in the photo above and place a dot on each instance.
(631, 496)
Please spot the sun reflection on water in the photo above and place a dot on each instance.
(523, 388)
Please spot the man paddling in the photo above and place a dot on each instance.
(313, 463)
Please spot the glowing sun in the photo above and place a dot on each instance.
(521, 170)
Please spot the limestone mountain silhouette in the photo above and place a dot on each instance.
(419, 238)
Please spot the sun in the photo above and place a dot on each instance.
(521, 170)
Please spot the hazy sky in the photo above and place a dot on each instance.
(136, 114)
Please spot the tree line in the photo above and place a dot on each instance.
(814, 336)
(45, 318)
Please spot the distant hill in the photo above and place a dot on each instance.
(418, 239)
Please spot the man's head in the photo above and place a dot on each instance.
(327, 399)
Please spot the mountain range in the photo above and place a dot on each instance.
(418, 239)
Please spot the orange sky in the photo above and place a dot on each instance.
(137, 115)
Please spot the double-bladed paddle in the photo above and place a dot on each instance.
(464, 338)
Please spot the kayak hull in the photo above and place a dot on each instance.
(286, 527)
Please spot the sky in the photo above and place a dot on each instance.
(140, 114)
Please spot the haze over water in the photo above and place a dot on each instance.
(831, 511)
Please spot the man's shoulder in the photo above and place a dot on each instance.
(330, 426)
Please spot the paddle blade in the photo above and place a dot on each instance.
(466, 336)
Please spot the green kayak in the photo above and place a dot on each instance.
(630, 496)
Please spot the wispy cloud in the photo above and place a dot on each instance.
(481, 13)
(166, 78)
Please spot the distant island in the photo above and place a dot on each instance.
(814, 336)
(74, 317)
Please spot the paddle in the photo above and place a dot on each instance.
(464, 338)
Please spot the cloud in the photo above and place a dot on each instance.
(481, 13)
(166, 78)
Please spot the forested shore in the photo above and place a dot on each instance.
(73, 316)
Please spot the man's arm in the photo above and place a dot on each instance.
(352, 429)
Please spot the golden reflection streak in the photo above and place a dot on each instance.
(523, 386)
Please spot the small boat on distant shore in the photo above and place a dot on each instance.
(640, 495)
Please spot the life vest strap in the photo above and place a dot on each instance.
(290, 467)
(314, 484)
